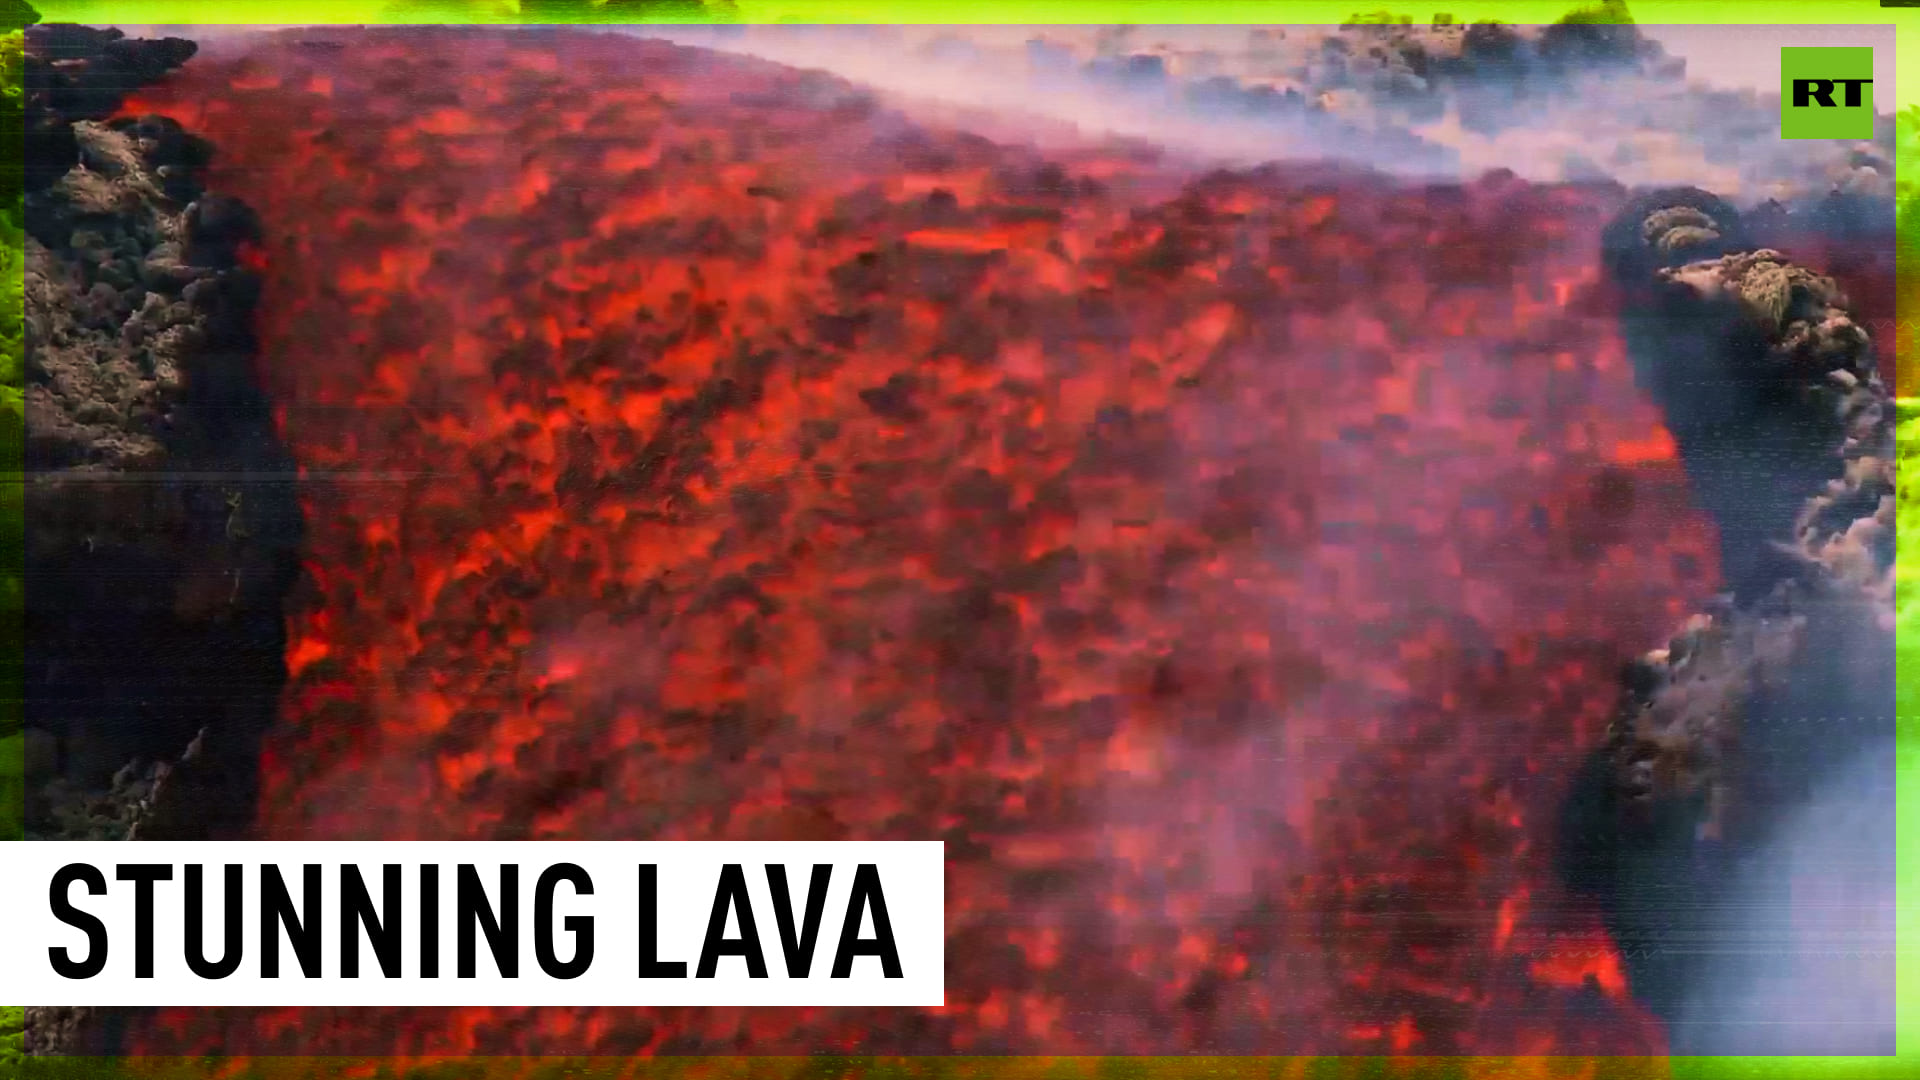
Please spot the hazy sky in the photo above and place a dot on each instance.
(1749, 56)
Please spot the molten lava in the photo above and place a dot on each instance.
(1229, 569)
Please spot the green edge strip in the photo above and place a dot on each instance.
(12, 434)
(13, 766)
(961, 1068)
(12, 430)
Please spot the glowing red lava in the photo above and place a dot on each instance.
(1229, 573)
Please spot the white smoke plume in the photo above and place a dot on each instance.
(1808, 969)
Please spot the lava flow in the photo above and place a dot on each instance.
(1229, 567)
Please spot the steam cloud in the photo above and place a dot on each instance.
(1807, 969)
(1593, 102)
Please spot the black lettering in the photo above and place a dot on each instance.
(63, 909)
(429, 921)
(143, 875)
(277, 910)
(799, 948)
(732, 893)
(866, 894)
(1808, 91)
(383, 927)
(1856, 90)
(232, 916)
(503, 932)
(651, 967)
(580, 926)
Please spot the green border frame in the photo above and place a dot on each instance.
(1906, 99)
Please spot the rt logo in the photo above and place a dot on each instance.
(1826, 93)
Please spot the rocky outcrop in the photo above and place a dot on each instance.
(163, 522)
(1731, 730)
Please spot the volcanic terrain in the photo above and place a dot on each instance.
(1231, 567)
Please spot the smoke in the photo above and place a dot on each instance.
(1808, 968)
(1444, 102)
(1574, 102)
(1773, 935)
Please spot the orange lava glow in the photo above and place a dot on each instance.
(1228, 567)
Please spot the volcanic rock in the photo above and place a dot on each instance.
(74, 73)
(1774, 398)
(159, 542)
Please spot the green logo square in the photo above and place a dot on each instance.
(1826, 93)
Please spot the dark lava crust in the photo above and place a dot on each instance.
(163, 523)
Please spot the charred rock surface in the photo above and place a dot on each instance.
(80, 73)
(163, 517)
(1734, 730)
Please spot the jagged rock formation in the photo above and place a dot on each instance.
(79, 73)
(1730, 731)
(162, 517)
